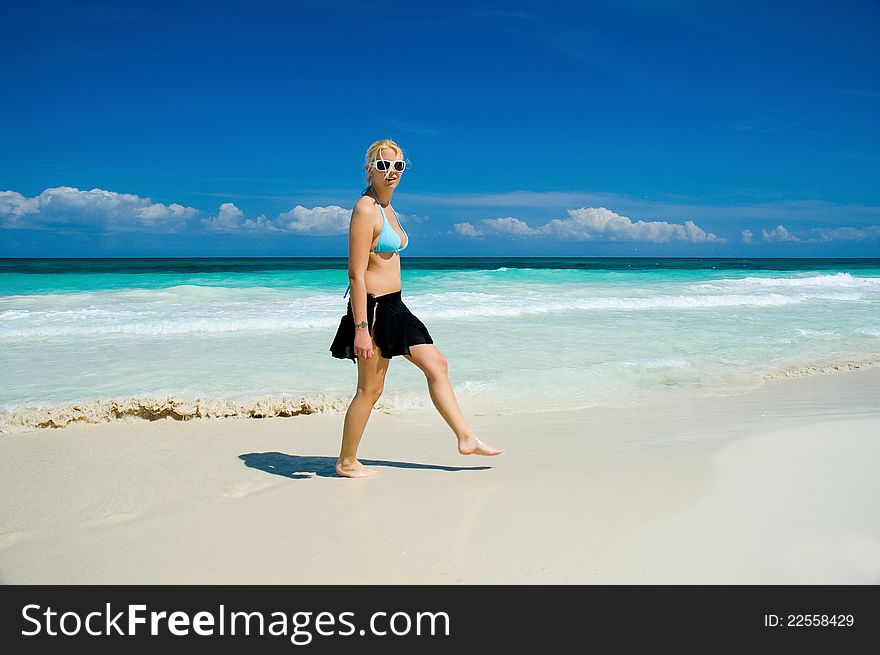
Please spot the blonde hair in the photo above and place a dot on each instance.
(373, 153)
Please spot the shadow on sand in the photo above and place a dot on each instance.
(301, 467)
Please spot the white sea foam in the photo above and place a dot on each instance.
(150, 326)
(661, 362)
(475, 305)
(818, 333)
(155, 315)
(832, 281)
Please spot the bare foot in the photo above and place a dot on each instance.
(474, 446)
(356, 470)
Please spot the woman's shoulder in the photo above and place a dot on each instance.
(366, 201)
(365, 210)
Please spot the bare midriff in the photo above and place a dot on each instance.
(383, 273)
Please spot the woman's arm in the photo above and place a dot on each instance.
(360, 237)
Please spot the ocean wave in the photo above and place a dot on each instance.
(173, 319)
(817, 333)
(170, 326)
(661, 362)
(540, 305)
(832, 281)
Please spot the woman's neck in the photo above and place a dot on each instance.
(382, 195)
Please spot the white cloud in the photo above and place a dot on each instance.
(467, 230)
(817, 234)
(781, 211)
(869, 233)
(14, 207)
(68, 206)
(747, 236)
(158, 212)
(777, 234)
(509, 225)
(318, 221)
(599, 223)
(98, 208)
(228, 217)
(231, 218)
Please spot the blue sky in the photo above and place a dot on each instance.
(612, 128)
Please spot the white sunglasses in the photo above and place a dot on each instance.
(385, 164)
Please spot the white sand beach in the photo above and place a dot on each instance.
(774, 486)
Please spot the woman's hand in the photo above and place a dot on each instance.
(363, 344)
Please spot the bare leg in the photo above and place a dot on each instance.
(371, 382)
(433, 364)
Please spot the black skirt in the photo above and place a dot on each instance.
(392, 325)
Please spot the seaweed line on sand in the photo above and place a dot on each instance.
(152, 409)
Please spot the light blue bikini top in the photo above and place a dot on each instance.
(389, 239)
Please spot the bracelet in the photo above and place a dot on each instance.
(362, 324)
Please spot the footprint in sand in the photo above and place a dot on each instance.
(113, 518)
(242, 489)
(11, 538)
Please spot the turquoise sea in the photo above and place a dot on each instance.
(519, 334)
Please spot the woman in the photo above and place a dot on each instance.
(378, 325)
